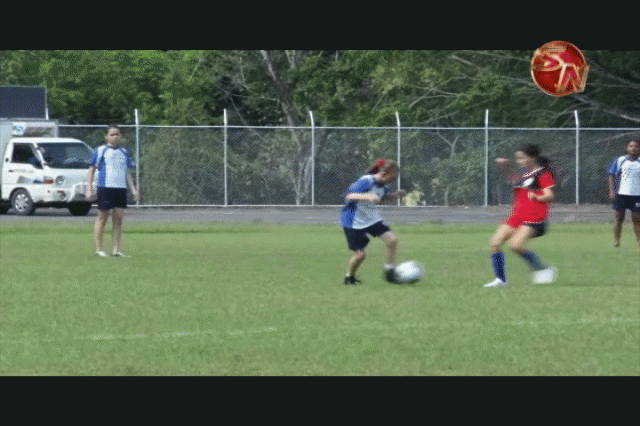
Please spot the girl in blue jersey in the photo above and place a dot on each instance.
(112, 163)
(360, 216)
(624, 188)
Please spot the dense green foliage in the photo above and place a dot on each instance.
(355, 88)
(361, 88)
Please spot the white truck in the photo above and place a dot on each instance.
(40, 169)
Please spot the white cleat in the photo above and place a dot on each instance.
(497, 283)
(545, 276)
(101, 254)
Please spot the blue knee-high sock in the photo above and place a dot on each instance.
(533, 260)
(497, 259)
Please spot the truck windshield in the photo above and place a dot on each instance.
(66, 155)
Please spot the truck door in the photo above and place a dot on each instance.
(21, 165)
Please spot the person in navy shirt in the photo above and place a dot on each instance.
(360, 217)
(112, 163)
(624, 188)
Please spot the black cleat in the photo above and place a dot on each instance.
(351, 280)
(390, 276)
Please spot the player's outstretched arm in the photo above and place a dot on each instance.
(360, 196)
(506, 167)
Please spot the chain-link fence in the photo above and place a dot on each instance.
(237, 165)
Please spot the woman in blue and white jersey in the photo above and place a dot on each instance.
(360, 217)
(624, 188)
(112, 163)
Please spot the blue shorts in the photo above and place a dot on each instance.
(624, 202)
(357, 238)
(109, 198)
(540, 228)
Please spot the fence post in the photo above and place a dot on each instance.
(313, 160)
(225, 158)
(575, 112)
(137, 156)
(486, 157)
(398, 124)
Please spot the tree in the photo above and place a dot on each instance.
(612, 95)
(100, 86)
(182, 166)
(453, 88)
(262, 84)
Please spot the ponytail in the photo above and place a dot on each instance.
(385, 166)
(377, 166)
(545, 163)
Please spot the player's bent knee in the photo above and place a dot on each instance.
(516, 246)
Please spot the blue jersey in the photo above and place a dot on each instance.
(112, 164)
(627, 175)
(362, 214)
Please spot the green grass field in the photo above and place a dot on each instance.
(260, 299)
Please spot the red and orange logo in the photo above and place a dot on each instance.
(559, 68)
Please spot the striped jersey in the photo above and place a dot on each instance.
(626, 172)
(362, 214)
(112, 164)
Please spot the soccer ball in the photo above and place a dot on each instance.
(409, 272)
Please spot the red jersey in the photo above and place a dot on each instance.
(524, 208)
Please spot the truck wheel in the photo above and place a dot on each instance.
(22, 203)
(79, 209)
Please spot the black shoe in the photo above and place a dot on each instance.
(351, 280)
(390, 276)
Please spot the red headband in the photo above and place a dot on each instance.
(380, 163)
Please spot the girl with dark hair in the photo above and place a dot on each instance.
(360, 217)
(533, 189)
(112, 163)
(624, 188)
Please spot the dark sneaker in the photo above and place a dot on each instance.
(390, 276)
(351, 280)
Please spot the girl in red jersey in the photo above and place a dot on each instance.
(533, 190)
